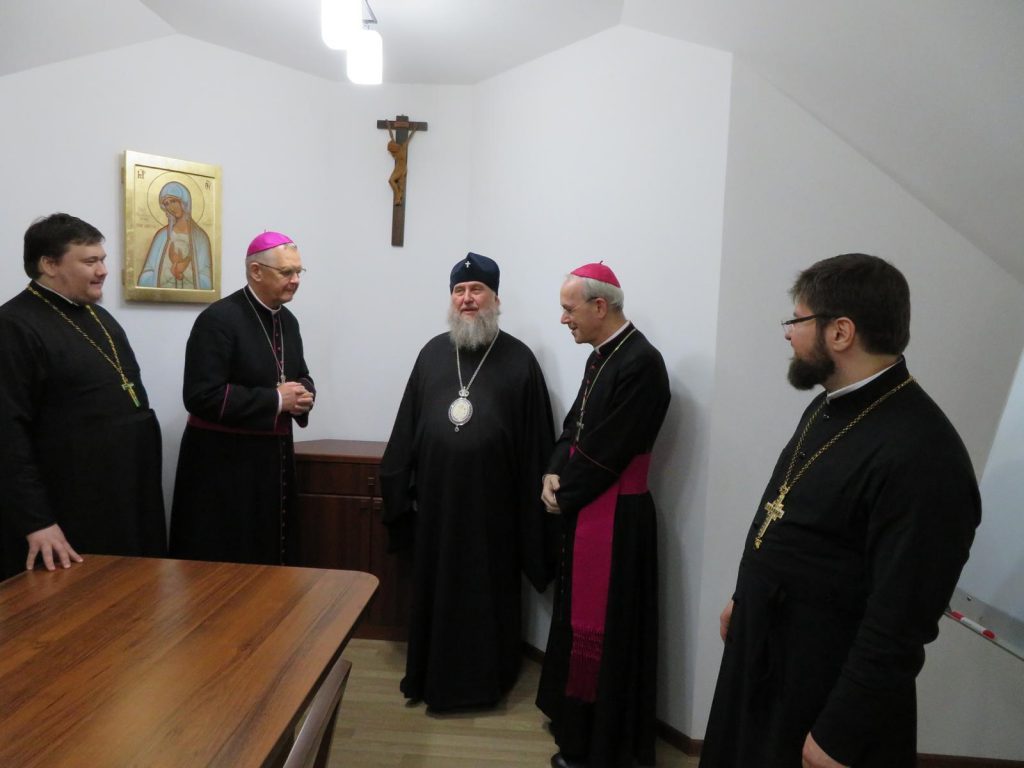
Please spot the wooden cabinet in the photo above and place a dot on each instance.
(337, 525)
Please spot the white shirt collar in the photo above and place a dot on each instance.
(612, 337)
(269, 309)
(830, 396)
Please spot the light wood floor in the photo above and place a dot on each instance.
(376, 729)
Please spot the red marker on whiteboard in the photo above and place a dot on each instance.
(973, 625)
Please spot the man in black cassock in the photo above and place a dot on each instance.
(80, 453)
(459, 480)
(246, 382)
(598, 681)
(855, 547)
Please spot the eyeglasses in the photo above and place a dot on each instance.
(787, 325)
(570, 310)
(286, 272)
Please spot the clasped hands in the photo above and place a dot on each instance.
(295, 398)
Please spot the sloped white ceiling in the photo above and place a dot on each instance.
(929, 90)
(38, 32)
(426, 41)
(932, 91)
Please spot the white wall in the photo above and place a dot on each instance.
(299, 154)
(796, 193)
(614, 149)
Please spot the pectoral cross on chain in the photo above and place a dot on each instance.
(128, 387)
(773, 511)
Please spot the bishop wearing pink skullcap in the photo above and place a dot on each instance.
(599, 677)
(266, 241)
(246, 386)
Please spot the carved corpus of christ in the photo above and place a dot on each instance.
(401, 154)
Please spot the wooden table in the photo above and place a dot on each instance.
(148, 662)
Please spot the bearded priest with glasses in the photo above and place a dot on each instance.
(855, 546)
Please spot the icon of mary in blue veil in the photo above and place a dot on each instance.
(179, 256)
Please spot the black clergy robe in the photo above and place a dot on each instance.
(235, 483)
(74, 448)
(627, 397)
(469, 504)
(832, 612)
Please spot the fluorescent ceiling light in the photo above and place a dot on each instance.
(340, 21)
(365, 58)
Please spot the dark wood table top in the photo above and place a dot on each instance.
(150, 662)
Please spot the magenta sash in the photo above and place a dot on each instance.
(591, 572)
(282, 426)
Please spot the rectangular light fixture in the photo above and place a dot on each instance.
(340, 21)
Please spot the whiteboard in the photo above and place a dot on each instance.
(995, 571)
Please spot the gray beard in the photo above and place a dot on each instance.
(473, 334)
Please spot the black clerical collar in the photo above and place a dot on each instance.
(37, 284)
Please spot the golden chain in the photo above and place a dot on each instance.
(786, 485)
(590, 388)
(115, 362)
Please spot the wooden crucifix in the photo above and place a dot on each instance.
(400, 133)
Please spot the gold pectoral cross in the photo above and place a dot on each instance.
(128, 387)
(773, 511)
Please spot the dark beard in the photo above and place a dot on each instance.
(807, 374)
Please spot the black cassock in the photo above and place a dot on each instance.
(832, 612)
(469, 503)
(235, 483)
(625, 408)
(74, 448)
